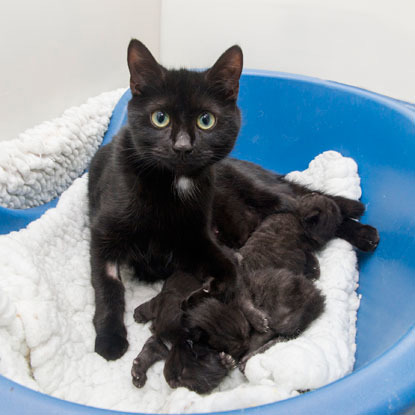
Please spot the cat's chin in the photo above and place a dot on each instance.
(189, 169)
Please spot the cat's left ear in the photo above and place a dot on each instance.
(225, 73)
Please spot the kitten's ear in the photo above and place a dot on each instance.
(225, 73)
(144, 69)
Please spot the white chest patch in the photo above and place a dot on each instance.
(184, 185)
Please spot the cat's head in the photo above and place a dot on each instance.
(183, 120)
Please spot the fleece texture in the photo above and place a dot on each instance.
(43, 161)
(47, 301)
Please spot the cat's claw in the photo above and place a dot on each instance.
(227, 360)
(242, 363)
(259, 321)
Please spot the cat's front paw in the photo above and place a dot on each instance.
(366, 238)
(111, 346)
(138, 373)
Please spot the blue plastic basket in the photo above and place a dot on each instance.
(287, 121)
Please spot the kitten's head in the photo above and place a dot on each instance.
(320, 216)
(183, 120)
(221, 326)
(194, 366)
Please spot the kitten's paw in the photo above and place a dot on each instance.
(138, 374)
(258, 320)
(260, 323)
(366, 238)
(312, 267)
(227, 361)
(111, 346)
(140, 316)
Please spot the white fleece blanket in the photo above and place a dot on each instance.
(43, 161)
(47, 304)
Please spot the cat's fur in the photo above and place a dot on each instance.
(246, 193)
(272, 287)
(194, 365)
(153, 191)
(277, 265)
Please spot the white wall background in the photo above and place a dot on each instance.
(57, 53)
(366, 43)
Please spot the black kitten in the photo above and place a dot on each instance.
(245, 194)
(196, 366)
(151, 188)
(275, 293)
(273, 297)
(192, 364)
(289, 240)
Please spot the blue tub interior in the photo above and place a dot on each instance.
(287, 121)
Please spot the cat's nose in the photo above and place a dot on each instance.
(183, 144)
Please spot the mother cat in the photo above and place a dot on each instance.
(153, 189)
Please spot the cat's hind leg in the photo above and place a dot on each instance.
(364, 237)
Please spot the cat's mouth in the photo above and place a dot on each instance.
(184, 164)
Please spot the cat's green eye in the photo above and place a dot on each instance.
(160, 119)
(206, 120)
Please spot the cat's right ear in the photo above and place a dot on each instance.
(144, 69)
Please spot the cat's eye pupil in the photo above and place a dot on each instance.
(160, 117)
(205, 118)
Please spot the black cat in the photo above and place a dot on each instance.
(154, 188)
(151, 188)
